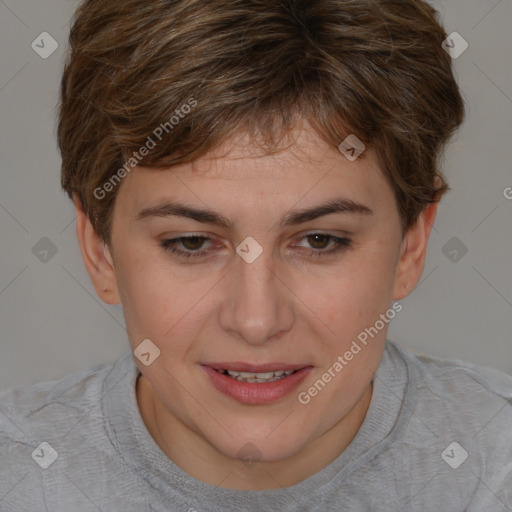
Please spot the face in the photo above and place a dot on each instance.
(259, 263)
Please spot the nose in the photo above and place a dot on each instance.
(258, 304)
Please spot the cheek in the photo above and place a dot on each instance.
(161, 302)
(360, 291)
(146, 294)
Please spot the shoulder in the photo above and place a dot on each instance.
(30, 416)
(456, 394)
(469, 391)
(55, 434)
(32, 404)
(457, 380)
(34, 413)
(462, 411)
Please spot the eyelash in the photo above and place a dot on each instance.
(170, 246)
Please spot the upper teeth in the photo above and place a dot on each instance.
(259, 376)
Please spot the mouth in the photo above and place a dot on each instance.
(256, 378)
(256, 384)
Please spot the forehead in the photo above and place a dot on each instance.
(243, 171)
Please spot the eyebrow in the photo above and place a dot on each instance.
(177, 209)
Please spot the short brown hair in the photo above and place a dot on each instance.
(373, 68)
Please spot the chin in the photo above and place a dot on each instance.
(264, 448)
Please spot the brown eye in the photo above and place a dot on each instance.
(193, 243)
(319, 241)
(323, 245)
(187, 246)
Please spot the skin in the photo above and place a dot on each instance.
(285, 306)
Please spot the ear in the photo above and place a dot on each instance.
(97, 257)
(413, 253)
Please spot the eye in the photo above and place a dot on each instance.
(320, 241)
(192, 244)
(323, 244)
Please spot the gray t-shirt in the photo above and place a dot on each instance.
(437, 437)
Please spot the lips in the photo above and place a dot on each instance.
(256, 384)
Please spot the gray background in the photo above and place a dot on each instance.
(52, 323)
